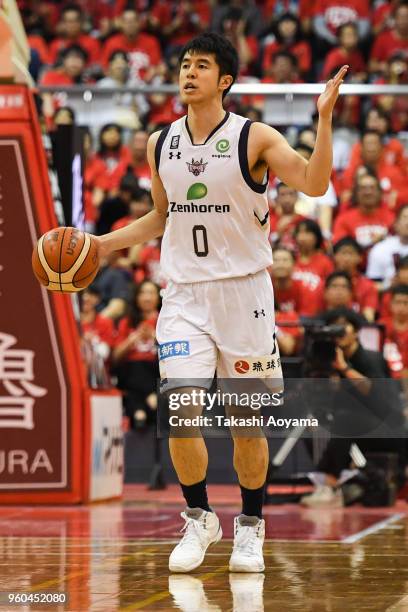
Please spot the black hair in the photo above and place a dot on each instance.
(77, 49)
(287, 17)
(311, 226)
(72, 7)
(116, 53)
(226, 56)
(129, 183)
(402, 263)
(399, 290)
(105, 128)
(400, 211)
(282, 53)
(349, 24)
(279, 247)
(338, 274)
(380, 112)
(356, 320)
(282, 184)
(93, 289)
(66, 109)
(347, 241)
(135, 314)
(304, 146)
(357, 179)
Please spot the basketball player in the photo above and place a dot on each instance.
(209, 183)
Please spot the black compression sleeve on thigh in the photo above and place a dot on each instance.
(196, 495)
(252, 501)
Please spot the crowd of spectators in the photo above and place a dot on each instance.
(348, 248)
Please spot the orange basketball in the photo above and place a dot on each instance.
(65, 259)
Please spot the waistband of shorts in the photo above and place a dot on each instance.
(227, 279)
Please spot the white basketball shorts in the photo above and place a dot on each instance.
(224, 326)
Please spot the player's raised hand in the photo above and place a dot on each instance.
(327, 99)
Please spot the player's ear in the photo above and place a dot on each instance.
(225, 81)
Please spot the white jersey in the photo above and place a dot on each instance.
(218, 216)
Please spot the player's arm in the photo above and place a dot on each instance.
(311, 177)
(148, 227)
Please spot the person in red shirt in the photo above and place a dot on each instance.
(142, 49)
(369, 221)
(347, 53)
(179, 21)
(312, 265)
(288, 38)
(396, 73)
(283, 69)
(289, 332)
(331, 14)
(70, 29)
(139, 165)
(393, 152)
(292, 294)
(98, 337)
(106, 168)
(71, 71)
(233, 27)
(283, 218)
(396, 333)
(135, 354)
(400, 278)
(391, 41)
(348, 256)
(392, 179)
(140, 204)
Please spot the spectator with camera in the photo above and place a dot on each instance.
(364, 403)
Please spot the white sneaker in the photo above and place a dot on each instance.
(189, 595)
(247, 592)
(201, 529)
(324, 496)
(249, 535)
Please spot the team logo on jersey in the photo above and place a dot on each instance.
(196, 167)
(174, 144)
(222, 145)
(176, 155)
(196, 191)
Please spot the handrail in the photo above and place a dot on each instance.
(295, 89)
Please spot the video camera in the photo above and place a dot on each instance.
(320, 348)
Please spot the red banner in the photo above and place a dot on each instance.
(42, 380)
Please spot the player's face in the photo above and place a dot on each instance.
(199, 78)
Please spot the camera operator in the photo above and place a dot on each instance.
(363, 403)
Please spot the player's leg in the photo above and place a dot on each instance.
(187, 365)
(249, 359)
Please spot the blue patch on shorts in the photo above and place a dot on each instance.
(177, 348)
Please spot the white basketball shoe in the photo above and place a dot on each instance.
(249, 536)
(201, 529)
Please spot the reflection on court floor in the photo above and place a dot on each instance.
(113, 556)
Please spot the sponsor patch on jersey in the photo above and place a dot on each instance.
(222, 145)
(177, 348)
(254, 367)
(197, 191)
(174, 144)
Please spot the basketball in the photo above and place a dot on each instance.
(65, 259)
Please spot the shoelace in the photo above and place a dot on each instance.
(246, 539)
(192, 530)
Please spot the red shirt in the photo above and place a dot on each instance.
(393, 155)
(149, 264)
(385, 308)
(106, 171)
(144, 175)
(338, 57)
(365, 293)
(56, 77)
(285, 238)
(387, 44)
(316, 269)
(37, 43)
(305, 8)
(390, 177)
(338, 12)
(165, 12)
(143, 51)
(144, 350)
(88, 44)
(306, 300)
(366, 229)
(301, 50)
(395, 348)
(101, 328)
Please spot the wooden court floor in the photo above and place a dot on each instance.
(113, 556)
